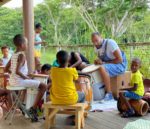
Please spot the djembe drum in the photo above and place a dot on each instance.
(97, 84)
(83, 84)
(140, 106)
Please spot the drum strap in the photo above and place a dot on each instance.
(105, 51)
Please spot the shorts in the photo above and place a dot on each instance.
(81, 97)
(116, 69)
(37, 53)
(29, 83)
(132, 95)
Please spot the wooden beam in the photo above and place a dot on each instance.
(28, 15)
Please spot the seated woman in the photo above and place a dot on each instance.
(112, 59)
(78, 61)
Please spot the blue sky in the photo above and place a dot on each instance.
(18, 3)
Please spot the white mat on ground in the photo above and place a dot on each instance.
(138, 124)
(104, 105)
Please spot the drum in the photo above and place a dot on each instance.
(93, 71)
(140, 106)
(83, 84)
(97, 84)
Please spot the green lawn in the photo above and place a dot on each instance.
(48, 56)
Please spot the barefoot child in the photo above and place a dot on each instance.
(136, 91)
(17, 67)
(63, 89)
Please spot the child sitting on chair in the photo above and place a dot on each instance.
(136, 92)
(63, 89)
(17, 67)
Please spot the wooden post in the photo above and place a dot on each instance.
(28, 15)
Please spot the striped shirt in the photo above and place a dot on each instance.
(14, 78)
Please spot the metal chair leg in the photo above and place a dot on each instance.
(11, 109)
(13, 113)
(14, 106)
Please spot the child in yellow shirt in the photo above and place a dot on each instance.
(136, 92)
(63, 89)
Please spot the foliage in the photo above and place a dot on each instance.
(72, 22)
(10, 24)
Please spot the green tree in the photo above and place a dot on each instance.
(10, 24)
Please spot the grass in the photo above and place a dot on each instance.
(48, 56)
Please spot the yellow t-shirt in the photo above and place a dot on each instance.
(63, 89)
(136, 78)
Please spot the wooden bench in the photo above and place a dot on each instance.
(76, 109)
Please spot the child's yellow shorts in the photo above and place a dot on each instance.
(37, 53)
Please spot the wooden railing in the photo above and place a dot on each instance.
(140, 49)
(91, 45)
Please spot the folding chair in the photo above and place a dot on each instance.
(16, 103)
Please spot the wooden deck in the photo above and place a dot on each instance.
(97, 120)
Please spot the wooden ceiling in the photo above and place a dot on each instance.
(2, 2)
